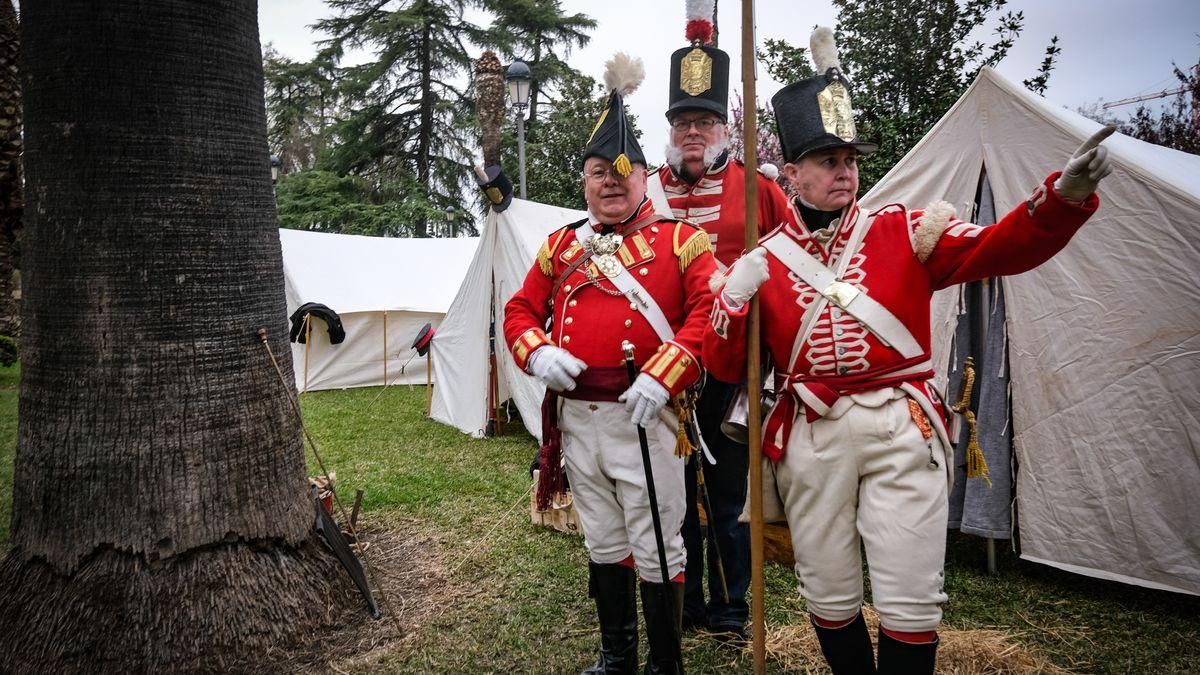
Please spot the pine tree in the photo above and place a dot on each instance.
(302, 102)
(534, 31)
(408, 123)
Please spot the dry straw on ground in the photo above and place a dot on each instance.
(961, 652)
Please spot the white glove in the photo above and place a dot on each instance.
(747, 274)
(1085, 169)
(644, 399)
(555, 367)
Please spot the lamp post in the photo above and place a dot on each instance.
(519, 79)
(275, 164)
(450, 214)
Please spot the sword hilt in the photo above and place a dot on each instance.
(627, 350)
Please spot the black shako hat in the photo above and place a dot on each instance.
(699, 81)
(699, 73)
(496, 186)
(613, 138)
(816, 113)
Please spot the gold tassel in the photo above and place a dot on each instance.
(693, 248)
(543, 259)
(976, 464)
(683, 412)
(622, 165)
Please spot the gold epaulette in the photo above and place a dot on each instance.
(545, 254)
(697, 244)
(543, 259)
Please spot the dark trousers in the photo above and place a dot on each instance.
(726, 483)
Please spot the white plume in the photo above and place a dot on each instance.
(824, 50)
(700, 9)
(623, 73)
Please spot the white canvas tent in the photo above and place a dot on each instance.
(383, 289)
(460, 351)
(1103, 341)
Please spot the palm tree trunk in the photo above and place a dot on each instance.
(11, 198)
(160, 516)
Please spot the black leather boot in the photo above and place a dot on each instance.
(662, 605)
(903, 658)
(847, 649)
(614, 589)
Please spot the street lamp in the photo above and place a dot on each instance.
(450, 214)
(275, 164)
(519, 80)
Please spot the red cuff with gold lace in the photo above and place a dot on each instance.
(528, 343)
(673, 367)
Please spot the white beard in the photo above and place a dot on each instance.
(713, 152)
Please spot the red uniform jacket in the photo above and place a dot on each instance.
(671, 260)
(717, 203)
(903, 259)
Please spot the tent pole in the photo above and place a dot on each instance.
(385, 379)
(753, 358)
(429, 381)
(307, 346)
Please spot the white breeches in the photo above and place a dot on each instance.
(866, 476)
(604, 466)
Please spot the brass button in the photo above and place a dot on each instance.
(643, 271)
(654, 229)
(572, 303)
(567, 288)
(570, 320)
(593, 407)
(567, 338)
(633, 306)
(628, 323)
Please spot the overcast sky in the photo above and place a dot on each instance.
(1111, 49)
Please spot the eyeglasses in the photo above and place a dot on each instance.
(702, 124)
(600, 174)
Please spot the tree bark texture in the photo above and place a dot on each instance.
(11, 200)
(160, 513)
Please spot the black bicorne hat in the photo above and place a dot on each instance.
(613, 138)
(816, 113)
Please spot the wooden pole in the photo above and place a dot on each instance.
(307, 346)
(429, 381)
(753, 358)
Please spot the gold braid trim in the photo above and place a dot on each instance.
(976, 464)
(693, 248)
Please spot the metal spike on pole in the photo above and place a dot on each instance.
(753, 358)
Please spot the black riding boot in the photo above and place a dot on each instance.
(662, 605)
(903, 658)
(614, 589)
(847, 649)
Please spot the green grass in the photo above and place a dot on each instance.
(520, 604)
